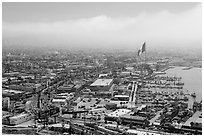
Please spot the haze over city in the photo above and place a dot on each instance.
(101, 68)
(102, 25)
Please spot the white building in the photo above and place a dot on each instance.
(18, 119)
(118, 113)
(101, 84)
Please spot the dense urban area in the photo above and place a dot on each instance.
(98, 93)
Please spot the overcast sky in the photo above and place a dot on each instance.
(102, 25)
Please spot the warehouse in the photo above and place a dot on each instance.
(101, 84)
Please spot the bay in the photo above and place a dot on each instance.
(192, 79)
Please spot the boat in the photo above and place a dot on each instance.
(159, 73)
(193, 94)
(179, 83)
(187, 68)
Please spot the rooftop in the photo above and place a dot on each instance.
(59, 125)
(12, 91)
(133, 131)
(133, 117)
(102, 82)
(59, 100)
(103, 75)
(118, 112)
(121, 96)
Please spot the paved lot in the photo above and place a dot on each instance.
(194, 118)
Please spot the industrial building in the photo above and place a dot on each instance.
(101, 84)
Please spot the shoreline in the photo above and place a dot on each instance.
(167, 68)
(183, 68)
(188, 67)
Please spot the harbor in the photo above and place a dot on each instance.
(101, 68)
(150, 104)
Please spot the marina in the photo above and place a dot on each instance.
(192, 79)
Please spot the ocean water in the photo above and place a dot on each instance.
(192, 79)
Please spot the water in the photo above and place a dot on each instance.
(192, 79)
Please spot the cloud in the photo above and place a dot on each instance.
(164, 28)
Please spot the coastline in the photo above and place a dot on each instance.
(167, 68)
(183, 68)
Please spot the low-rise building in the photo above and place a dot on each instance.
(101, 84)
(18, 119)
(68, 88)
(5, 103)
(113, 116)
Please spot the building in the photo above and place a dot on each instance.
(5, 117)
(4, 80)
(62, 98)
(21, 118)
(113, 116)
(136, 132)
(28, 87)
(121, 98)
(103, 75)
(59, 126)
(68, 88)
(125, 73)
(12, 94)
(134, 120)
(130, 69)
(11, 74)
(110, 105)
(6, 103)
(101, 84)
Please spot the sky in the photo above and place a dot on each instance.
(102, 25)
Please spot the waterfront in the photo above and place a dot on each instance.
(192, 79)
(101, 69)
